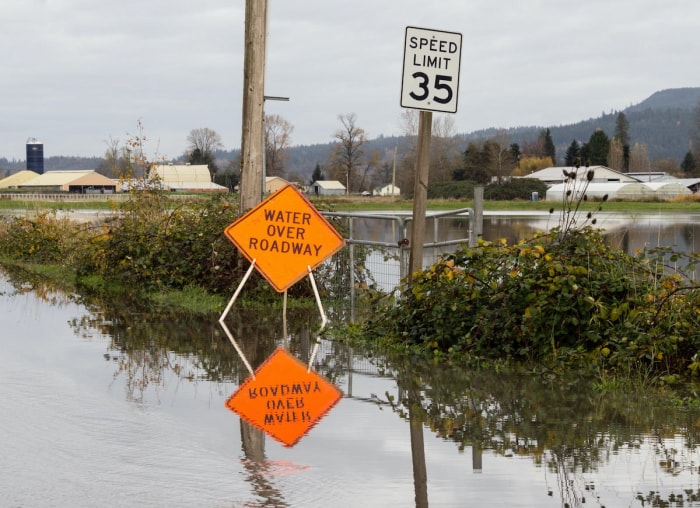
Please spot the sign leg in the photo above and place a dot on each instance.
(227, 310)
(324, 320)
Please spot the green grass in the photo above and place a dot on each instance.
(55, 205)
(369, 204)
(356, 203)
(192, 300)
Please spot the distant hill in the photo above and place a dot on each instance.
(674, 98)
(663, 122)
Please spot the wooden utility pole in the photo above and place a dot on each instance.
(420, 192)
(252, 149)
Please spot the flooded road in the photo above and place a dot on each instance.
(106, 406)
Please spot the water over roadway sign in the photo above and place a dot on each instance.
(286, 235)
(285, 399)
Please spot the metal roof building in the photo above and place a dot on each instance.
(79, 181)
(631, 191)
(555, 175)
(15, 180)
(598, 190)
(274, 183)
(668, 190)
(327, 188)
(186, 178)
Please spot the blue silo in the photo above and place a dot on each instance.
(35, 156)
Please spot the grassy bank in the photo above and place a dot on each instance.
(357, 203)
(370, 204)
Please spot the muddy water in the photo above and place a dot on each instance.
(105, 404)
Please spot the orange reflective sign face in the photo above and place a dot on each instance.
(286, 235)
(285, 399)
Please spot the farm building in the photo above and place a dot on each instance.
(327, 188)
(387, 190)
(668, 190)
(185, 178)
(598, 190)
(632, 191)
(15, 180)
(555, 175)
(85, 181)
(274, 183)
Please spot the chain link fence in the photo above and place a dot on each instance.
(376, 259)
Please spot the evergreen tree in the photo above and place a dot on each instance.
(317, 174)
(548, 145)
(689, 164)
(598, 147)
(196, 156)
(572, 154)
(477, 164)
(622, 126)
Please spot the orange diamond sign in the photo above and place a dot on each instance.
(285, 399)
(286, 235)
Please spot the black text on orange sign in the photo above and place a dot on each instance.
(285, 234)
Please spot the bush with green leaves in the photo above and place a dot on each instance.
(549, 300)
(43, 238)
(154, 244)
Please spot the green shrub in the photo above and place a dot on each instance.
(44, 238)
(152, 245)
(516, 188)
(548, 300)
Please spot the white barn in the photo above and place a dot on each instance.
(387, 190)
(327, 188)
(555, 175)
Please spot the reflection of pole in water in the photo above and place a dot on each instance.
(420, 473)
(253, 444)
(477, 456)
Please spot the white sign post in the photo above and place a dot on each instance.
(431, 61)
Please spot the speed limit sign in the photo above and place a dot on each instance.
(431, 70)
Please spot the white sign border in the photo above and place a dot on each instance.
(405, 68)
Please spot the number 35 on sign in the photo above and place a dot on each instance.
(431, 61)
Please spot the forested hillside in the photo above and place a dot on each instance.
(664, 123)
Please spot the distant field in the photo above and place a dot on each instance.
(357, 203)
(373, 203)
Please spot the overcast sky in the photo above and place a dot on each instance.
(75, 73)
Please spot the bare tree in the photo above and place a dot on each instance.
(501, 156)
(205, 140)
(349, 153)
(445, 156)
(369, 169)
(639, 160)
(114, 165)
(278, 135)
(616, 156)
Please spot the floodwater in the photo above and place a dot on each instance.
(106, 404)
(631, 232)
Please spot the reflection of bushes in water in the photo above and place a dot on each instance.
(45, 289)
(560, 422)
(146, 344)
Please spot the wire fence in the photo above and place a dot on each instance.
(376, 259)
